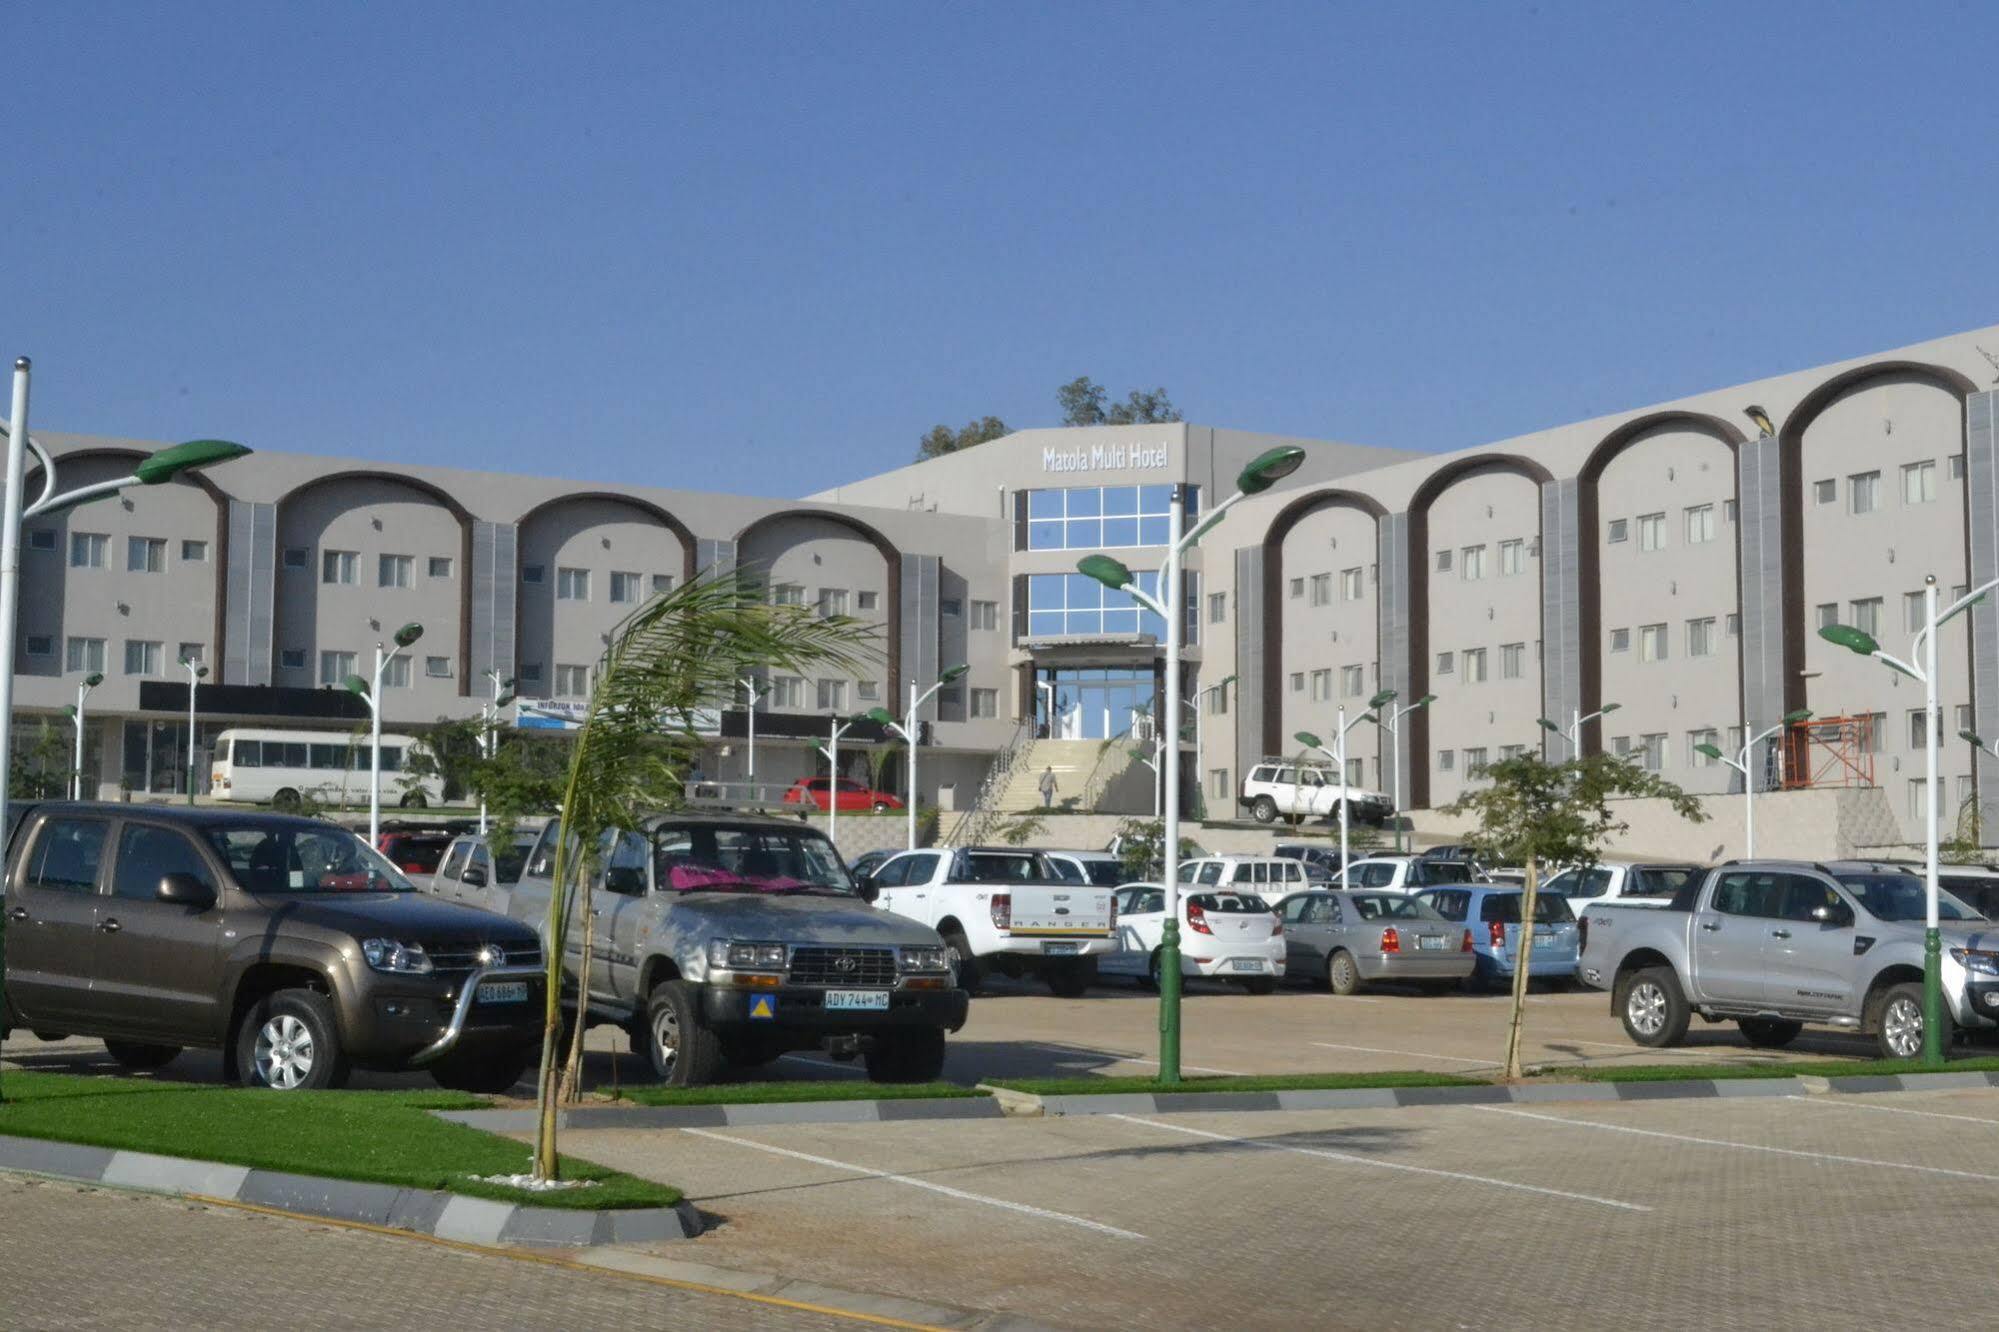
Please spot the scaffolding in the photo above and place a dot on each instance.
(1828, 751)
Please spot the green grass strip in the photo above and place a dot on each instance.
(379, 1137)
(1791, 1068)
(770, 1093)
(1239, 1083)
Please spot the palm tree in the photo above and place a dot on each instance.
(680, 654)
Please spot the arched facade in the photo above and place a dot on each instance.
(842, 564)
(1324, 535)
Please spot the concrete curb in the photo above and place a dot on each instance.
(444, 1215)
(736, 1116)
(1530, 1093)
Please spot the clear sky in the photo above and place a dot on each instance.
(763, 247)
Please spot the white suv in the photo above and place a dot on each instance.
(1302, 791)
(1269, 877)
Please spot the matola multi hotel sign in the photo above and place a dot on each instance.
(1104, 457)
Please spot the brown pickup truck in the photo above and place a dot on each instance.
(286, 943)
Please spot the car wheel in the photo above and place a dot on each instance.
(416, 800)
(682, 1048)
(1653, 1009)
(1261, 985)
(1898, 1032)
(1071, 980)
(286, 801)
(970, 972)
(1342, 974)
(1770, 1033)
(1264, 810)
(881, 806)
(907, 1056)
(41, 1035)
(289, 1041)
(140, 1057)
(487, 1072)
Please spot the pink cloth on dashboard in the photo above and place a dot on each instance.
(698, 876)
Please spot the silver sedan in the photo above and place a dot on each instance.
(1351, 937)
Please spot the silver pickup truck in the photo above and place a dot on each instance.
(724, 940)
(1773, 945)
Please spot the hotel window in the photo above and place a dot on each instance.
(1919, 730)
(1446, 760)
(1512, 558)
(662, 583)
(1351, 588)
(1700, 524)
(1825, 491)
(1734, 628)
(1651, 642)
(85, 654)
(438, 566)
(1474, 672)
(572, 681)
(985, 703)
(572, 584)
(1104, 517)
(1695, 739)
(190, 652)
(437, 668)
(1443, 561)
(1512, 660)
(40, 645)
(1322, 589)
(1620, 640)
(626, 587)
(88, 550)
(1863, 492)
(531, 672)
(340, 567)
(1654, 749)
(1957, 467)
(1728, 511)
(335, 667)
(786, 691)
(1511, 751)
(1651, 531)
(1828, 613)
(1218, 784)
(1218, 700)
(1353, 681)
(951, 608)
(1964, 716)
(291, 659)
(1445, 663)
(1919, 483)
(395, 570)
(1475, 761)
(868, 691)
(1322, 686)
(1078, 605)
(1877, 732)
(1619, 531)
(867, 601)
(1914, 614)
(396, 673)
(1297, 589)
(298, 557)
(44, 538)
(831, 695)
(1297, 682)
(146, 554)
(985, 615)
(533, 573)
(1472, 566)
(1218, 607)
(1919, 797)
(787, 594)
(832, 601)
(1866, 614)
(1700, 637)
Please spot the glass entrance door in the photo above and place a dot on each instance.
(1095, 703)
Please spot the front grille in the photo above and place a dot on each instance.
(461, 958)
(818, 965)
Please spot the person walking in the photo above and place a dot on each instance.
(1048, 787)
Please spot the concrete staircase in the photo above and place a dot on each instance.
(1074, 762)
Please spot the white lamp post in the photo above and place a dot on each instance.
(1574, 733)
(1390, 719)
(1741, 764)
(750, 719)
(489, 719)
(83, 688)
(907, 729)
(1338, 754)
(831, 749)
(1263, 472)
(195, 671)
(1923, 646)
(372, 696)
(1152, 761)
(1047, 692)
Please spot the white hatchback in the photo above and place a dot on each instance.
(1227, 936)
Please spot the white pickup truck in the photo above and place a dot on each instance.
(1002, 909)
(1648, 883)
(1298, 791)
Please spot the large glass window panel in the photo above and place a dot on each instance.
(1085, 533)
(1044, 536)
(1154, 531)
(1120, 501)
(1085, 502)
(1120, 531)
(1044, 503)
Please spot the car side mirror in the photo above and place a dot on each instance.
(185, 890)
(1833, 915)
(625, 881)
(867, 888)
(473, 878)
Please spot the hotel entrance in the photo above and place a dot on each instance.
(1094, 703)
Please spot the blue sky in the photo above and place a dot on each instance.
(762, 248)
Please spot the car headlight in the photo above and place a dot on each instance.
(406, 959)
(1983, 961)
(745, 955)
(926, 959)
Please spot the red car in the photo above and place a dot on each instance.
(415, 852)
(853, 795)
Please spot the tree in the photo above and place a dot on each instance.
(680, 653)
(449, 752)
(942, 439)
(1085, 403)
(1141, 848)
(1536, 813)
(42, 767)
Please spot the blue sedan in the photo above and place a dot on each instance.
(1491, 912)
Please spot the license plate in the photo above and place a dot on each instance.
(1543, 936)
(503, 992)
(1246, 964)
(853, 1000)
(1430, 941)
(1059, 949)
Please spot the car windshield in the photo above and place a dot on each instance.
(726, 859)
(1391, 906)
(1895, 897)
(293, 858)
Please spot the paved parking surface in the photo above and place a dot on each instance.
(1721, 1213)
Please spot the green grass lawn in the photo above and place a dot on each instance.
(1240, 1083)
(377, 1137)
(1793, 1068)
(765, 1093)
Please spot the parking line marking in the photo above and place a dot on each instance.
(1741, 1146)
(1136, 1059)
(1893, 1110)
(864, 1172)
(1410, 1054)
(826, 1064)
(1350, 1159)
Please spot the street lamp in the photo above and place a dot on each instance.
(831, 749)
(1574, 734)
(1338, 754)
(906, 728)
(1741, 765)
(1264, 471)
(1392, 722)
(489, 718)
(1924, 645)
(83, 688)
(1200, 711)
(750, 719)
(1047, 692)
(372, 696)
(195, 672)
